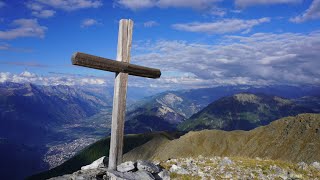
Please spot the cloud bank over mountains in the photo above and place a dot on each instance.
(52, 79)
(224, 45)
(260, 59)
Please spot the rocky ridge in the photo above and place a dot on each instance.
(293, 139)
(214, 167)
(139, 170)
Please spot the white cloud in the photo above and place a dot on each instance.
(199, 4)
(259, 59)
(39, 10)
(312, 13)
(92, 81)
(150, 24)
(27, 74)
(4, 76)
(143, 4)
(246, 3)
(56, 79)
(136, 4)
(24, 28)
(222, 26)
(89, 22)
(70, 5)
(44, 8)
(218, 11)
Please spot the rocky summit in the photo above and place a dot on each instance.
(215, 167)
(140, 170)
(211, 167)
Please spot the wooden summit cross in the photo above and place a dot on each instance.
(122, 68)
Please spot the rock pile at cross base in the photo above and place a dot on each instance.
(139, 170)
(200, 167)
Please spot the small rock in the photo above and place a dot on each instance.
(147, 166)
(316, 165)
(252, 175)
(292, 175)
(95, 164)
(302, 165)
(277, 170)
(164, 175)
(126, 166)
(178, 170)
(156, 163)
(225, 162)
(138, 175)
(228, 175)
(143, 175)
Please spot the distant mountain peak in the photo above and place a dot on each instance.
(171, 98)
(247, 98)
(282, 101)
(242, 111)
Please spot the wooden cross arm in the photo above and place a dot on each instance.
(96, 62)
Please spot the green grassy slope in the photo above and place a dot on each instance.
(293, 139)
(97, 150)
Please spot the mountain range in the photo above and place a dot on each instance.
(46, 122)
(33, 116)
(173, 110)
(243, 111)
(294, 139)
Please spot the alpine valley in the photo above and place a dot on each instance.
(43, 126)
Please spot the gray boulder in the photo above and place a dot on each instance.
(88, 174)
(178, 169)
(302, 165)
(147, 166)
(163, 175)
(225, 162)
(95, 164)
(316, 165)
(138, 175)
(126, 166)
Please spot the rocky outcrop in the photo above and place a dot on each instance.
(140, 170)
(216, 167)
(201, 167)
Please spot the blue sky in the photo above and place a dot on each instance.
(196, 44)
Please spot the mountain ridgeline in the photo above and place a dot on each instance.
(32, 116)
(172, 110)
(160, 113)
(36, 119)
(243, 111)
(34, 111)
(292, 139)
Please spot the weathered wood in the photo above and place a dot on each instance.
(122, 68)
(96, 62)
(120, 95)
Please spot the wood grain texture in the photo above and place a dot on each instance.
(120, 95)
(96, 62)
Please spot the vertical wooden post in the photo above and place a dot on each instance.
(120, 94)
